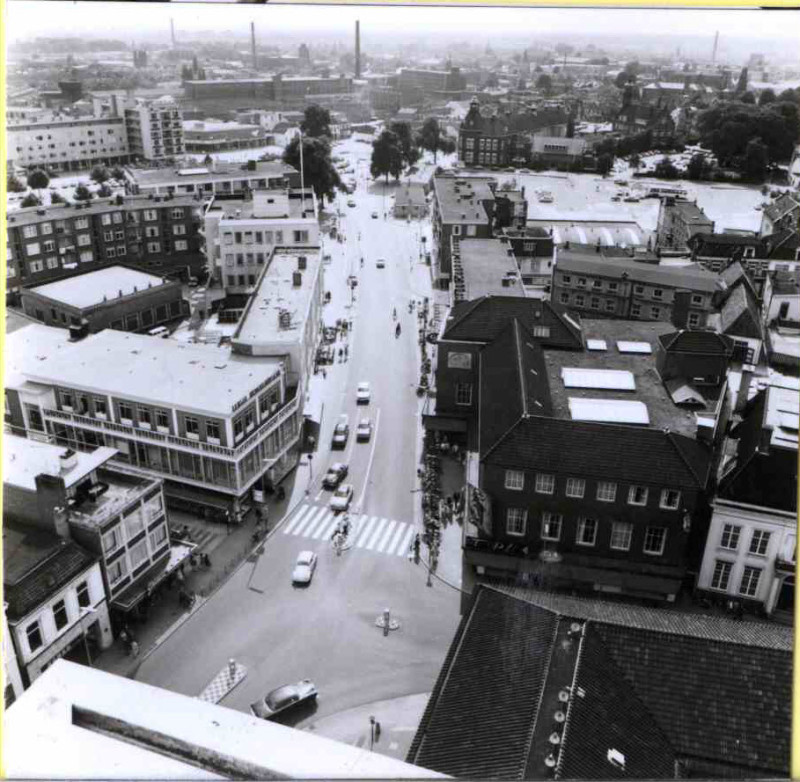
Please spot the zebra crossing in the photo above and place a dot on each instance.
(370, 533)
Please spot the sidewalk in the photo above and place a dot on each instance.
(398, 720)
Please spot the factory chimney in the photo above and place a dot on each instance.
(714, 52)
(172, 31)
(358, 49)
(253, 44)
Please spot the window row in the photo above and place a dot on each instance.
(244, 259)
(759, 539)
(61, 618)
(545, 483)
(748, 584)
(552, 529)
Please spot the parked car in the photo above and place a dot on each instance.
(341, 432)
(342, 497)
(380, 263)
(351, 202)
(304, 567)
(364, 430)
(336, 474)
(363, 393)
(374, 215)
(283, 698)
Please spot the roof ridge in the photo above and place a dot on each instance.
(518, 345)
(671, 438)
(467, 311)
(505, 434)
(571, 702)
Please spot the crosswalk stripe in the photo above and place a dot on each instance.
(378, 530)
(367, 531)
(305, 524)
(296, 520)
(323, 529)
(316, 525)
(327, 530)
(397, 535)
(386, 537)
(406, 542)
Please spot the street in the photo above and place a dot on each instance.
(326, 631)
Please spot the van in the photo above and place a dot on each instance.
(159, 331)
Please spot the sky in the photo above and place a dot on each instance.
(123, 20)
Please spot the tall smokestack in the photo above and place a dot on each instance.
(714, 52)
(358, 49)
(172, 30)
(253, 44)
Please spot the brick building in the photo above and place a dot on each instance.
(678, 222)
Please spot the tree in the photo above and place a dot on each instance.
(605, 162)
(57, 198)
(38, 180)
(697, 168)
(82, 193)
(430, 137)
(767, 96)
(789, 96)
(407, 141)
(316, 122)
(665, 169)
(13, 185)
(387, 156)
(30, 200)
(544, 83)
(319, 172)
(208, 160)
(118, 173)
(99, 174)
(635, 161)
(756, 159)
(104, 191)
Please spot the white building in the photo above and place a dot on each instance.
(12, 678)
(154, 128)
(794, 169)
(55, 599)
(242, 234)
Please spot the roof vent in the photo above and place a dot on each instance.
(550, 761)
(554, 738)
(68, 460)
(563, 695)
(559, 716)
(616, 758)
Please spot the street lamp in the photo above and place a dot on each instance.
(310, 472)
(85, 611)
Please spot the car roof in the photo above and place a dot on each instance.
(364, 384)
(305, 555)
(337, 466)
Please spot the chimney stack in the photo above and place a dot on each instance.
(716, 43)
(358, 49)
(172, 31)
(253, 44)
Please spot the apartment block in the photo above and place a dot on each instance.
(154, 128)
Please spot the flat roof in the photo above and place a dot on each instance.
(276, 293)
(24, 459)
(459, 196)
(30, 348)
(162, 176)
(196, 378)
(95, 287)
(485, 263)
(299, 209)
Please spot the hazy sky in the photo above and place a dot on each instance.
(124, 19)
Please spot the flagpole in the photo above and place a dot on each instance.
(302, 177)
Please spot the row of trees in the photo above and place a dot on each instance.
(397, 148)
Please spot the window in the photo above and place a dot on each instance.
(60, 615)
(181, 246)
(637, 495)
(658, 293)
(177, 213)
(638, 289)
(463, 393)
(150, 232)
(576, 487)
(456, 230)
(697, 299)
(192, 426)
(515, 479)
(545, 484)
(301, 237)
(694, 319)
(759, 542)
(105, 219)
(654, 540)
(34, 634)
(541, 331)
(730, 537)
(29, 231)
(621, 533)
(551, 526)
(459, 360)
(158, 537)
(722, 575)
(597, 284)
(112, 540)
(81, 223)
(150, 214)
(154, 247)
(655, 312)
(580, 300)
(111, 252)
(116, 571)
(612, 286)
(611, 306)
(125, 412)
(587, 531)
(84, 240)
(636, 310)
(179, 230)
(582, 282)
(670, 499)
(606, 491)
(138, 554)
(162, 419)
(49, 246)
(750, 578)
(564, 297)
(144, 416)
(33, 248)
(515, 521)
(240, 259)
(212, 430)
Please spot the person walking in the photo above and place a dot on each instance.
(134, 648)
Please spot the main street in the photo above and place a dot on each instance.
(326, 632)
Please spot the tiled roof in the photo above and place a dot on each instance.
(610, 716)
(781, 206)
(696, 341)
(484, 319)
(731, 274)
(629, 453)
(484, 704)
(739, 314)
(42, 564)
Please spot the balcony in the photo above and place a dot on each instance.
(112, 495)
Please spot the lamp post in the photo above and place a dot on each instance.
(310, 472)
(85, 611)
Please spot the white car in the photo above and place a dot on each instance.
(364, 430)
(363, 393)
(304, 567)
(342, 497)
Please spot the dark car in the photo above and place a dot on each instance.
(283, 698)
(335, 475)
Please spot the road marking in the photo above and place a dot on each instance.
(366, 532)
(319, 495)
(296, 520)
(376, 534)
(323, 529)
(397, 535)
(308, 522)
(385, 539)
(404, 547)
(316, 525)
(360, 502)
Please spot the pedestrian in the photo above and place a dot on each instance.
(227, 521)
(135, 648)
(324, 374)
(206, 561)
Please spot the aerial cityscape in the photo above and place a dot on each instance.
(400, 392)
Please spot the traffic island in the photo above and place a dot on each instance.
(231, 675)
(386, 622)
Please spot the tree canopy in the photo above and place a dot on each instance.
(30, 200)
(665, 169)
(316, 121)
(430, 137)
(38, 179)
(387, 156)
(408, 143)
(319, 172)
(13, 185)
(544, 83)
(82, 193)
(99, 174)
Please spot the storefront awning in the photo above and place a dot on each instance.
(129, 598)
(313, 410)
(437, 423)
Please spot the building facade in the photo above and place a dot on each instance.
(678, 222)
(154, 128)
